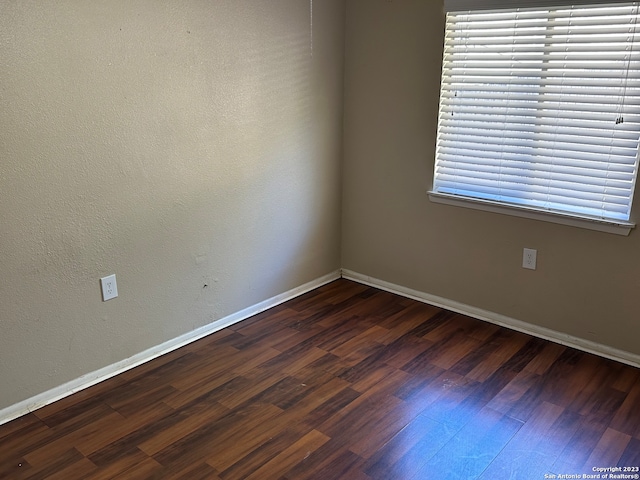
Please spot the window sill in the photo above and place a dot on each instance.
(618, 228)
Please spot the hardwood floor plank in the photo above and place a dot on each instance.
(335, 335)
(580, 447)
(159, 436)
(206, 365)
(58, 462)
(14, 468)
(296, 341)
(404, 350)
(409, 449)
(323, 317)
(416, 387)
(380, 304)
(345, 464)
(147, 378)
(99, 436)
(525, 355)
(115, 468)
(209, 342)
(455, 325)
(553, 387)
(405, 321)
(252, 386)
(264, 337)
(278, 321)
(409, 465)
(137, 404)
(77, 416)
(445, 400)
(624, 378)
(367, 366)
(331, 406)
(381, 428)
(216, 436)
(590, 379)
(317, 391)
(473, 448)
(337, 295)
(18, 471)
(432, 323)
(40, 457)
(627, 419)
(529, 454)
(244, 442)
(483, 358)
(31, 437)
(321, 458)
(520, 397)
(262, 454)
(368, 377)
(631, 456)
(147, 469)
(487, 359)
(445, 352)
(546, 358)
(454, 350)
(332, 293)
(198, 471)
(202, 390)
(20, 426)
(83, 468)
(81, 401)
(291, 362)
(290, 457)
(351, 421)
(608, 451)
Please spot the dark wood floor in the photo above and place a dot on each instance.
(343, 382)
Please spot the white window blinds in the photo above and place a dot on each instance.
(540, 108)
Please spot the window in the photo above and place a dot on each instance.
(540, 110)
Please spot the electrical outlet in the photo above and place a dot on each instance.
(529, 258)
(109, 287)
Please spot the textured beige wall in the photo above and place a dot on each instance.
(176, 144)
(587, 283)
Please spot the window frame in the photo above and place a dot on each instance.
(615, 226)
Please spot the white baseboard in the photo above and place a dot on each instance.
(502, 320)
(85, 381)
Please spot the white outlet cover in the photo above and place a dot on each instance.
(109, 287)
(529, 258)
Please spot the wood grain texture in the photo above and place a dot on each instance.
(346, 381)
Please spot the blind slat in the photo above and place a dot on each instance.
(479, 5)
